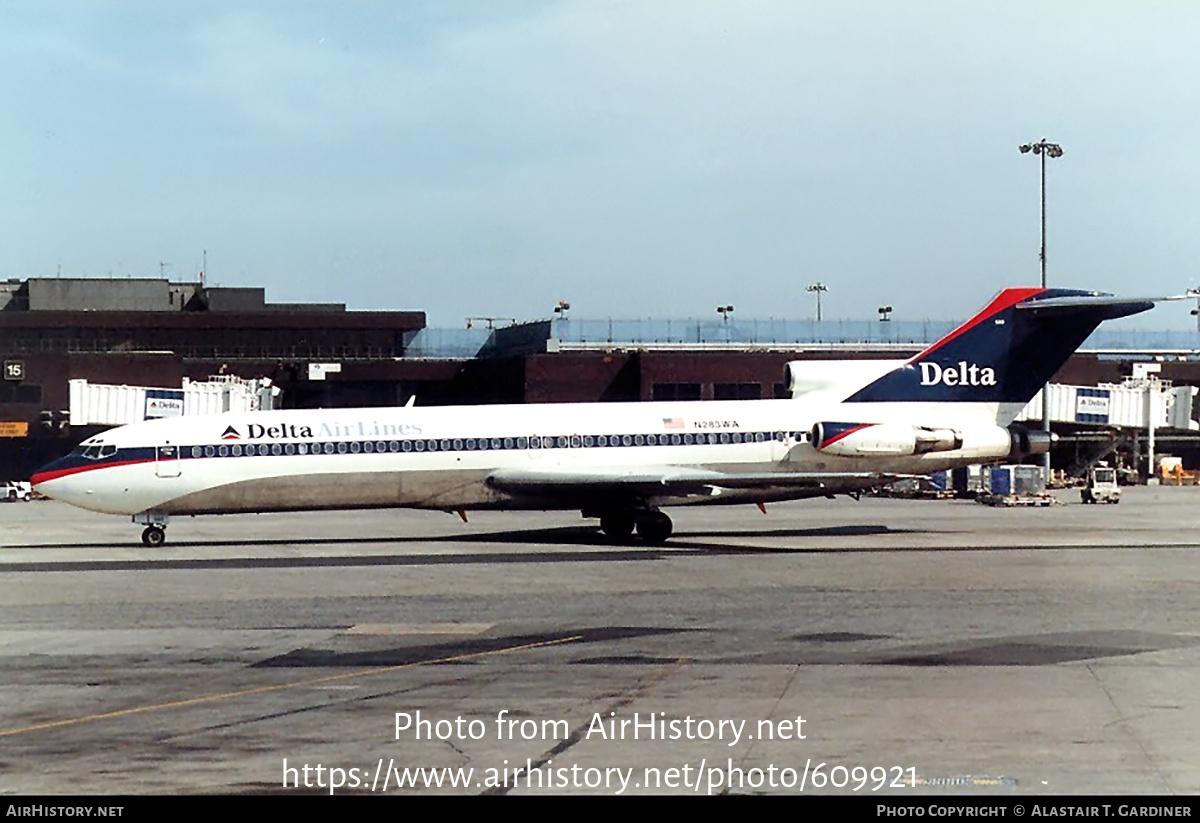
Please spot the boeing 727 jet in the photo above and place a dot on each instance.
(852, 426)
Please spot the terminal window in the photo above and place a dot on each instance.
(676, 391)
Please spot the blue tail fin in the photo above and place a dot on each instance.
(1004, 354)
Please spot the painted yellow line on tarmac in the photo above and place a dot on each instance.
(191, 701)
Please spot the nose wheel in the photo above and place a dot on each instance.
(154, 536)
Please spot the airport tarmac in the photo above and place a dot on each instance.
(831, 646)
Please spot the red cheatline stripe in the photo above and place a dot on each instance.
(1004, 300)
(45, 477)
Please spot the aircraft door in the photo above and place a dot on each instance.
(166, 460)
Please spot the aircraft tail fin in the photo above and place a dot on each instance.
(1005, 353)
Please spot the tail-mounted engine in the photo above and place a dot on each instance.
(1029, 441)
(984, 443)
(882, 439)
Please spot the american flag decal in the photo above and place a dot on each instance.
(672, 422)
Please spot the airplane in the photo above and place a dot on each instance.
(850, 426)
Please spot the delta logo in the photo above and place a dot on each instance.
(257, 431)
(963, 374)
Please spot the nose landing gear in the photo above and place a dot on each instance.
(155, 533)
(154, 536)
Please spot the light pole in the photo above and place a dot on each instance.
(1044, 149)
(817, 288)
(725, 311)
(885, 320)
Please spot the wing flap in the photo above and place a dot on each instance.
(672, 481)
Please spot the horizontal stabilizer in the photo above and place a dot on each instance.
(1137, 304)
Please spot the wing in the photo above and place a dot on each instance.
(676, 481)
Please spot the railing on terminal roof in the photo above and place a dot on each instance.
(755, 332)
(435, 342)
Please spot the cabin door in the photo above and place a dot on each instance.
(166, 461)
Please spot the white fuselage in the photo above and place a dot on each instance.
(443, 457)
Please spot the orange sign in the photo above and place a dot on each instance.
(14, 429)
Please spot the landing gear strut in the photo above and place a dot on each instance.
(154, 536)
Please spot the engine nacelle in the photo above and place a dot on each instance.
(882, 439)
(982, 442)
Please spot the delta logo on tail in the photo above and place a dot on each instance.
(964, 374)
(1005, 353)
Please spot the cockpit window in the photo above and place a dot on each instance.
(95, 451)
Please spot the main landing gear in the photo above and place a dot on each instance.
(652, 526)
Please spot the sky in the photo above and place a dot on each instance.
(655, 158)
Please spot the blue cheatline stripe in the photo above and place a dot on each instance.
(478, 444)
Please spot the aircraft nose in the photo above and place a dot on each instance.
(51, 471)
